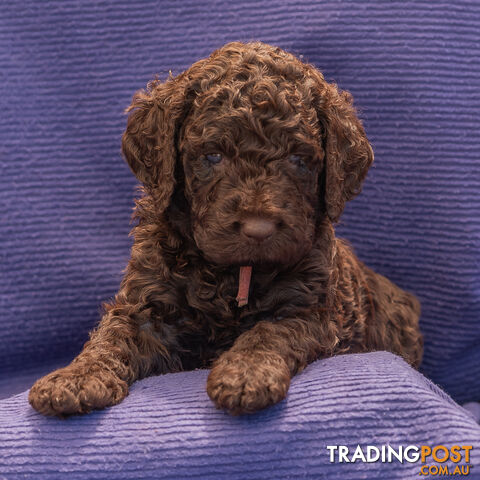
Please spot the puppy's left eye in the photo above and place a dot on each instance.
(299, 162)
(213, 158)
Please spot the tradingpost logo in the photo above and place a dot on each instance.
(431, 459)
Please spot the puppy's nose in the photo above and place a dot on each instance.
(258, 229)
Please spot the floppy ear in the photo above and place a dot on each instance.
(348, 154)
(148, 143)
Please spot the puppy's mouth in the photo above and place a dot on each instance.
(256, 244)
(279, 252)
(256, 262)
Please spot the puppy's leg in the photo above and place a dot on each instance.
(256, 371)
(120, 351)
(395, 326)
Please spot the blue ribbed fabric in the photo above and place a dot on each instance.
(67, 71)
(168, 429)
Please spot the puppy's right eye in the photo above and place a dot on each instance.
(213, 158)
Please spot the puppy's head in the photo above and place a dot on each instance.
(262, 148)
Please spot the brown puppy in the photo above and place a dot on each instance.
(247, 159)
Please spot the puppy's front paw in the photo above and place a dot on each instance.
(76, 389)
(244, 382)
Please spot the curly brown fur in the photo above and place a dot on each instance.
(247, 158)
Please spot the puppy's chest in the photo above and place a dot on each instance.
(207, 319)
(212, 302)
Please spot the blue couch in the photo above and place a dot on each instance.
(68, 71)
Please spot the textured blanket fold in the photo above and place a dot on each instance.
(167, 428)
(68, 70)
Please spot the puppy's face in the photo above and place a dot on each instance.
(261, 146)
(252, 158)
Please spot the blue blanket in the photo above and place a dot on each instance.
(68, 69)
(168, 428)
